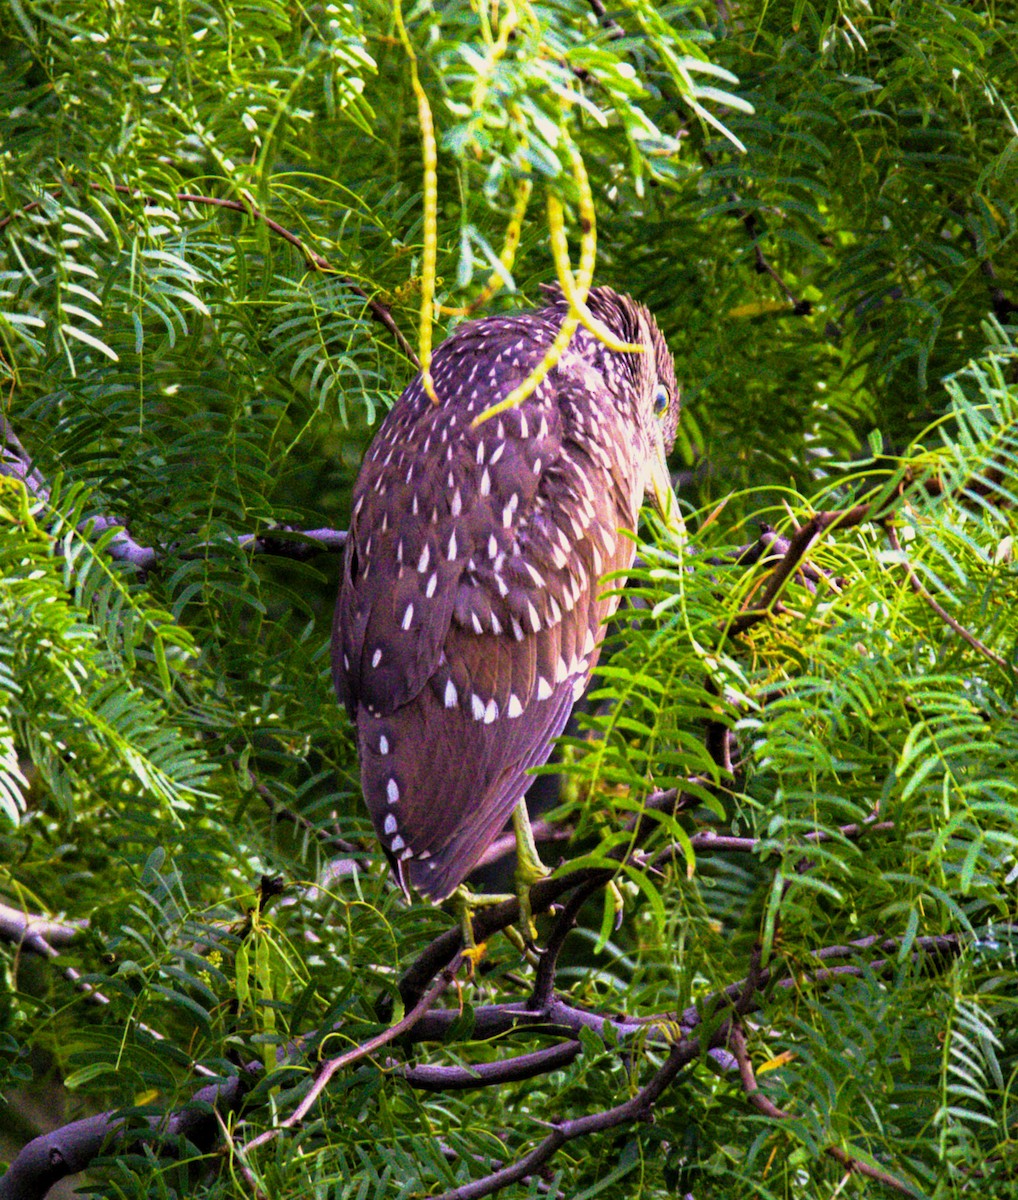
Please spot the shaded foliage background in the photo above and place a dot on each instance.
(819, 203)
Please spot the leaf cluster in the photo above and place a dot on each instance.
(207, 208)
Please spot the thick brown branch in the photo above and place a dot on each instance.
(638, 1108)
(38, 934)
(544, 976)
(560, 1018)
(509, 1070)
(71, 1148)
(543, 895)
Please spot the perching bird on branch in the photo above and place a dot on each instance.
(471, 612)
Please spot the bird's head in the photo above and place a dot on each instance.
(643, 383)
(657, 407)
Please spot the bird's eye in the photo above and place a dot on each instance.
(660, 400)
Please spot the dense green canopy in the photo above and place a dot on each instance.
(229, 229)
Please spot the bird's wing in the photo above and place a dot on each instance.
(485, 617)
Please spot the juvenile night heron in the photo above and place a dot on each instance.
(470, 615)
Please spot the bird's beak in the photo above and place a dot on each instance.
(663, 497)
(661, 490)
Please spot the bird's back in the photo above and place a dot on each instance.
(469, 616)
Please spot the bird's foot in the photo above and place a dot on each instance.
(472, 956)
(526, 948)
(468, 902)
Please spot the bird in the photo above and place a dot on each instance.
(471, 609)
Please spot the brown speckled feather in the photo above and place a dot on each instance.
(470, 615)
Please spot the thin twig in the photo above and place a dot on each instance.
(378, 310)
(330, 842)
(798, 546)
(708, 840)
(41, 936)
(761, 1103)
(246, 1172)
(800, 307)
(328, 1067)
(917, 586)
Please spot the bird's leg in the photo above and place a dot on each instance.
(466, 903)
(529, 868)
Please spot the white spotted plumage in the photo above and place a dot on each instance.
(470, 614)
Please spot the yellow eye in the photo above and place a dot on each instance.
(660, 400)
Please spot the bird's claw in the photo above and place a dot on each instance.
(618, 903)
(472, 956)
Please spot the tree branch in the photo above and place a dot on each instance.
(284, 542)
(762, 1104)
(917, 586)
(798, 546)
(547, 892)
(508, 1070)
(72, 1148)
(35, 933)
(314, 260)
(800, 307)
(544, 832)
(639, 1107)
(328, 1067)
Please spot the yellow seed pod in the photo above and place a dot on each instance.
(575, 289)
(429, 256)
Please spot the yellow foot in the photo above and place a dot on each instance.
(526, 949)
(467, 903)
(472, 956)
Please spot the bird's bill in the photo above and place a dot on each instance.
(661, 491)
